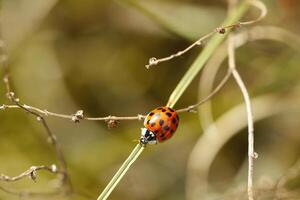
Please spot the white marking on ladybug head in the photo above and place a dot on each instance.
(147, 137)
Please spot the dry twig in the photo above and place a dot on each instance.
(77, 117)
(31, 173)
(16, 101)
(154, 61)
(221, 30)
(251, 154)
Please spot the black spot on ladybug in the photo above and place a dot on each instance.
(161, 122)
(177, 117)
(169, 114)
(163, 110)
(172, 131)
(156, 131)
(152, 113)
(170, 109)
(159, 108)
(162, 135)
(152, 124)
(166, 128)
(174, 121)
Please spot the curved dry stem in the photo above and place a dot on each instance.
(207, 98)
(210, 70)
(263, 12)
(121, 172)
(219, 133)
(251, 154)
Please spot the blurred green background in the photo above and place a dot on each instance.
(89, 54)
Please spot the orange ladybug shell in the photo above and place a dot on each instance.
(163, 122)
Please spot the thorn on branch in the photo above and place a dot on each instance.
(3, 107)
(78, 116)
(237, 26)
(112, 123)
(255, 155)
(33, 176)
(152, 61)
(221, 30)
(10, 95)
(141, 117)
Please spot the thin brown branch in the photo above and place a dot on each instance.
(77, 117)
(213, 93)
(31, 173)
(137, 117)
(65, 181)
(256, 3)
(154, 61)
(50, 134)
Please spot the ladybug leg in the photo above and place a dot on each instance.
(147, 137)
(143, 141)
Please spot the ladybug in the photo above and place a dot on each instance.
(160, 125)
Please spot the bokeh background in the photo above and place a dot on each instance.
(89, 54)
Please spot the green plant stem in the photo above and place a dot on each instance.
(207, 52)
(136, 152)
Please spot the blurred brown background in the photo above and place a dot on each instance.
(89, 54)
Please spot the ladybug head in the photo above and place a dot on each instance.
(147, 137)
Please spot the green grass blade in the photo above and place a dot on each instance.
(136, 152)
(212, 44)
